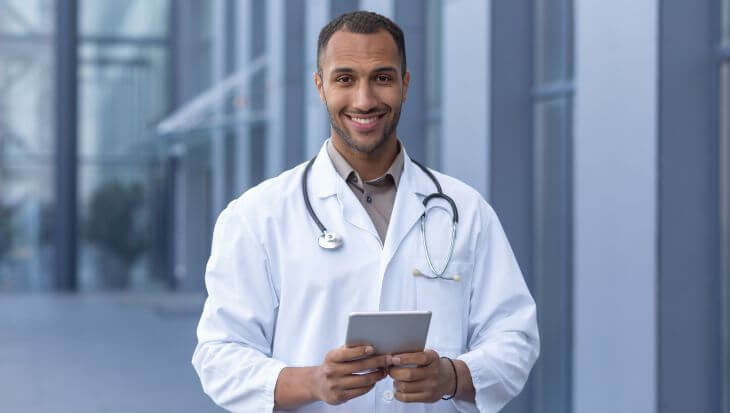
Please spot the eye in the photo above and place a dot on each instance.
(383, 78)
(345, 79)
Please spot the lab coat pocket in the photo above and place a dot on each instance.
(447, 300)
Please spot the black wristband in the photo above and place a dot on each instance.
(456, 380)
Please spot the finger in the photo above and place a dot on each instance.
(409, 373)
(352, 393)
(422, 358)
(409, 386)
(343, 354)
(375, 362)
(361, 380)
(412, 397)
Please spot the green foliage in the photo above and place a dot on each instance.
(7, 233)
(112, 221)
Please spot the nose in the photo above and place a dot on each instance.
(364, 99)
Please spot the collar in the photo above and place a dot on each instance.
(345, 170)
(324, 178)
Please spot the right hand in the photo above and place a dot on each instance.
(335, 382)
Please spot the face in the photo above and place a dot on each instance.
(363, 88)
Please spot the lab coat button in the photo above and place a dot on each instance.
(387, 395)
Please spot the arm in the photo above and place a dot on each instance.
(233, 357)
(502, 327)
(333, 382)
(431, 379)
(235, 333)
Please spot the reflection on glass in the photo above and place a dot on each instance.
(129, 18)
(26, 145)
(122, 183)
(25, 17)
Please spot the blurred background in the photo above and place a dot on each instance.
(599, 131)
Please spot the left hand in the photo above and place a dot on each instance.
(427, 382)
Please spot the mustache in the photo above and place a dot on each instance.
(380, 110)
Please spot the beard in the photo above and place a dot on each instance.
(388, 130)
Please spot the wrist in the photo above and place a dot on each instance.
(450, 385)
(312, 386)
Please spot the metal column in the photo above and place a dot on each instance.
(66, 97)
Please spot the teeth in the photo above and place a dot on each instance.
(364, 121)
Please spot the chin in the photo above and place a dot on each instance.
(365, 144)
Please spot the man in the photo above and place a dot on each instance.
(272, 331)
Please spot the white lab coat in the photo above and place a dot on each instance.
(276, 299)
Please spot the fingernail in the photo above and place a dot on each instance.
(388, 360)
(369, 349)
(396, 360)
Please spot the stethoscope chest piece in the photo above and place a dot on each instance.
(330, 240)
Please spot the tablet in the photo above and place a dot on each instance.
(390, 332)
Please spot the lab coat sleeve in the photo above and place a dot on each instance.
(503, 341)
(233, 355)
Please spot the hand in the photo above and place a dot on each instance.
(427, 382)
(335, 382)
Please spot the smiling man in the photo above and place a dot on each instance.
(272, 331)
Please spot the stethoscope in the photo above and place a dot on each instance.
(330, 241)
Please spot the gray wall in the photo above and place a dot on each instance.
(615, 206)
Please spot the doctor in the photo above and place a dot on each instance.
(272, 330)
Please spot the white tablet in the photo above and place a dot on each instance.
(390, 332)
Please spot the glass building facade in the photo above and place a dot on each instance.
(541, 105)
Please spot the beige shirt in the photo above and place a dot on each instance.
(377, 195)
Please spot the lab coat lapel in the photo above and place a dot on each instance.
(407, 208)
(353, 211)
(327, 182)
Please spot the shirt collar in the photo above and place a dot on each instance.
(345, 170)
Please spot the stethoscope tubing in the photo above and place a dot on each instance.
(329, 240)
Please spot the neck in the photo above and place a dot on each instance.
(368, 165)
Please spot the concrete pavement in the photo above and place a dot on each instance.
(90, 353)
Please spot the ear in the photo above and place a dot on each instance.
(319, 84)
(406, 82)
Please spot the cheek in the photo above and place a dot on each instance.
(335, 102)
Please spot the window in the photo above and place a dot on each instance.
(122, 80)
(26, 145)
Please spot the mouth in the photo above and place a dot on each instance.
(365, 123)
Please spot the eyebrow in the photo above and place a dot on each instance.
(377, 70)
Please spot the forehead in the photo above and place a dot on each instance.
(346, 49)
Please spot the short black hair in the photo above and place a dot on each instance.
(362, 22)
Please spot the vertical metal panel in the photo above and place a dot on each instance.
(294, 102)
(317, 122)
(690, 375)
(410, 15)
(725, 220)
(276, 41)
(217, 160)
(66, 49)
(512, 142)
(243, 10)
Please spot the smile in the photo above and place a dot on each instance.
(365, 123)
